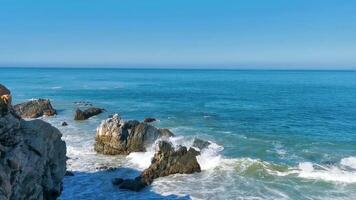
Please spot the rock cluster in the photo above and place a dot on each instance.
(86, 114)
(116, 136)
(35, 108)
(166, 161)
(32, 158)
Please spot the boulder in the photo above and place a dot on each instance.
(35, 108)
(200, 144)
(32, 159)
(166, 161)
(149, 120)
(86, 114)
(64, 124)
(116, 136)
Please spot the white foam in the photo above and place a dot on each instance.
(142, 160)
(333, 173)
(209, 157)
(349, 162)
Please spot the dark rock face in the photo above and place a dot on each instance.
(64, 124)
(169, 161)
(32, 159)
(200, 144)
(165, 162)
(86, 114)
(149, 120)
(115, 136)
(35, 108)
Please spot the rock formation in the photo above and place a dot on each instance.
(86, 114)
(35, 108)
(149, 120)
(116, 136)
(32, 158)
(166, 161)
(200, 144)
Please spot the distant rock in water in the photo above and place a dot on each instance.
(165, 162)
(86, 114)
(35, 108)
(32, 158)
(200, 144)
(64, 124)
(149, 120)
(116, 136)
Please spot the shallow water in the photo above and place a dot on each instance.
(275, 134)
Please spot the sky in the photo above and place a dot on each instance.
(179, 33)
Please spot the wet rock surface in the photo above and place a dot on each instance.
(116, 136)
(166, 161)
(35, 108)
(87, 113)
(32, 159)
(200, 144)
(149, 120)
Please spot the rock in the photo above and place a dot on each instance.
(35, 108)
(69, 173)
(64, 124)
(165, 132)
(169, 161)
(116, 136)
(32, 159)
(166, 161)
(200, 144)
(149, 120)
(86, 114)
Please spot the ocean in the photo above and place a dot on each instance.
(275, 134)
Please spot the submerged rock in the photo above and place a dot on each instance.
(200, 144)
(166, 161)
(35, 108)
(32, 159)
(149, 120)
(86, 114)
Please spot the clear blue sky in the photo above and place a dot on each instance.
(179, 33)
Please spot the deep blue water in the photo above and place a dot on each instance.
(285, 134)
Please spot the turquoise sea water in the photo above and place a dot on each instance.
(275, 134)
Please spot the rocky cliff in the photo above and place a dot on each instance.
(32, 158)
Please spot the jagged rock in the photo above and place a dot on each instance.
(149, 120)
(64, 124)
(166, 161)
(86, 114)
(115, 136)
(169, 161)
(32, 159)
(35, 108)
(200, 144)
(165, 132)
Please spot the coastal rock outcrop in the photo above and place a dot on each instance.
(32, 158)
(166, 161)
(35, 108)
(200, 144)
(149, 120)
(116, 136)
(86, 114)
